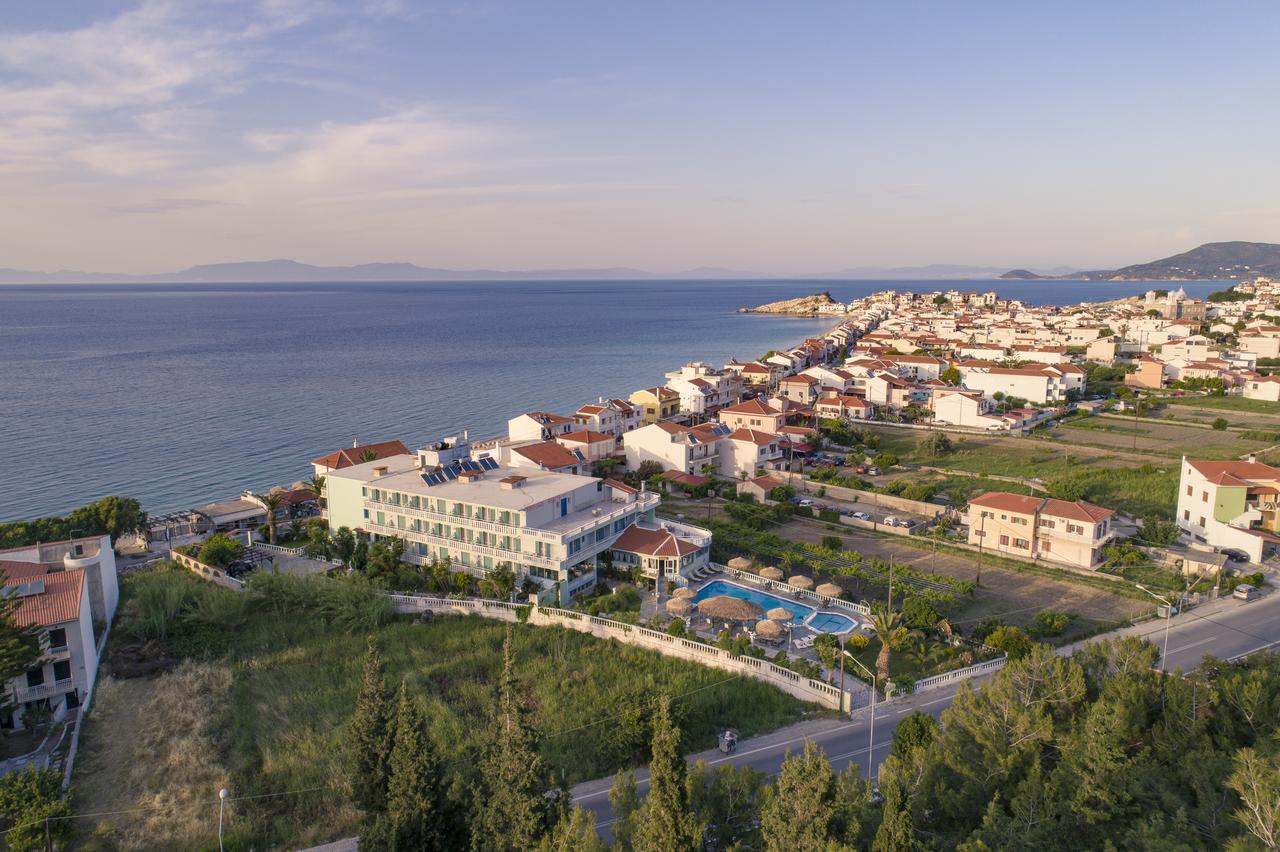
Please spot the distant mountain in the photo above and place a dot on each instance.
(1211, 261)
(934, 271)
(280, 271)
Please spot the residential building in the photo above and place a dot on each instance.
(1148, 374)
(538, 426)
(960, 407)
(547, 455)
(1266, 388)
(703, 391)
(746, 451)
(663, 550)
(1071, 533)
(834, 406)
(675, 446)
(656, 404)
(69, 591)
(357, 453)
(1230, 504)
(753, 414)
(593, 446)
(800, 388)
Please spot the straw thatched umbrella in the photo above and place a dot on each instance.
(684, 592)
(740, 563)
(800, 581)
(771, 573)
(831, 590)
(770, 629)
(730, 609)
(679, 606)
(779, 613)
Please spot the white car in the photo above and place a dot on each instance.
(890, 521)
(860, 516)
(806, 503)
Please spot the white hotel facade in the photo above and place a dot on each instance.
(550, 527)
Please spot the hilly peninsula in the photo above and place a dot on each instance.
(1211, 261)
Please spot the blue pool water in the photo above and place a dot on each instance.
(831, 623)
(799, 612)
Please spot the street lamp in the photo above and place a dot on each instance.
(1168, 617)
(871, 745)
(222, 804)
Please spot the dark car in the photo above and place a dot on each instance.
(1235, 555)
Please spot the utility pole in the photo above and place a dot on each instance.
(982, 533)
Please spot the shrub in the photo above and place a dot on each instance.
(1011, 640)
(831, 516)
(919, 613)
(886, 460)
(676, 628)
(985, 628)
(1220, 424)
(832, 542)
(220, 550)
(1050, 623)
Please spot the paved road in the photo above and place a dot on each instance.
(1228, 629)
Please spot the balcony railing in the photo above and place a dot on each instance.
(483, 549)
(44, 690)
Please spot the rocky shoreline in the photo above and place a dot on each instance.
(804, 306)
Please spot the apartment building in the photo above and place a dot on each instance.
(550, 527)
(675, 446)
(1071, 533)
(69, 591)
(600, 417)
(1041, 385)
(538, 426)
(746, 451)
(704, 390)
(657, 403)
(753, 414)
(800, 388)
(1230, 504)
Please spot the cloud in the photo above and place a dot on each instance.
(167, 205)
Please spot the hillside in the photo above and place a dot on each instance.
(1211, 261)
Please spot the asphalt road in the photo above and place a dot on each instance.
(1227, 629)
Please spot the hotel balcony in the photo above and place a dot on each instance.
(516, 556)
(48, 689)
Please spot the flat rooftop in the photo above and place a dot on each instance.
(536, 487)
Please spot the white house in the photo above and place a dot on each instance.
(744, 451)
(675, 446)
(960, 407)
(1230, 504)
(538, 426)
(1266, 388)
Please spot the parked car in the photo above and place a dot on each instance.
(890, 521)
(873, 471)
(806, 503)
(860, 516)
(1246, 592)
(1234, 555)
(907, 523)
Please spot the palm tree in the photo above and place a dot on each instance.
(316, 486)
(893, 635)
(272, 503)
(709, 469)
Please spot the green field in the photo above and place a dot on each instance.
(1115, 480)
(1225, 403)
(280, 687)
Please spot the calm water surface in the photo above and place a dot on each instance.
(179, 395)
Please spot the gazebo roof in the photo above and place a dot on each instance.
(800, 581)
(733, 609)
(771, 573)
(679, 606)
(740, 563)
(831, 590)
(769, 629)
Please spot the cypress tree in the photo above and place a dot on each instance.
(371, 736)
(511, 811)
(665, 823)
(416, 807)
(896, 832)
(625, 801)
(576, 832)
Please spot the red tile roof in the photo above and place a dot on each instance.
(585, 436)
(660, 542)
(351, 456)
(60, 600)
(548, 455)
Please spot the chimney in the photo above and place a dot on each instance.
(1252, 458)
(354, 443)
(380, 471)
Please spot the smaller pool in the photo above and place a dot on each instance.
(829, 622)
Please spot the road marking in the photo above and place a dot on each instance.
(1244, 654)
(1192, 645)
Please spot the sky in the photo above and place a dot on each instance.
(773, 137)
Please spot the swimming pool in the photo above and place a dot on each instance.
(764, 600)
(829, 622)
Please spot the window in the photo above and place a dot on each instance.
(1004, 540)
(35, 677)
(1186, 514)
(1202, 520)
(1047, 523)
(58, 638)
(1189, 490)
(1204, 496)
(1044, 546)
(62, 670)
(1021, 543)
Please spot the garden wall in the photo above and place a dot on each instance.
(887, 501)
(796, 685)
(209, 572)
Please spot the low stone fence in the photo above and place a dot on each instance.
(275, 548)
(792, 591)
(796, 685)
(938, 680)
(872, 498)
(209, 572)
(877, 527)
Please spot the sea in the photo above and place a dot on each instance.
(182, 394)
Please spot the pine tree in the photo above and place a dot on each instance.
(371, 736)
(576, 832)
(896, 832)
(416, 804)
(665, 823)
(797, 813)
(624, 799)
(511, 808)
